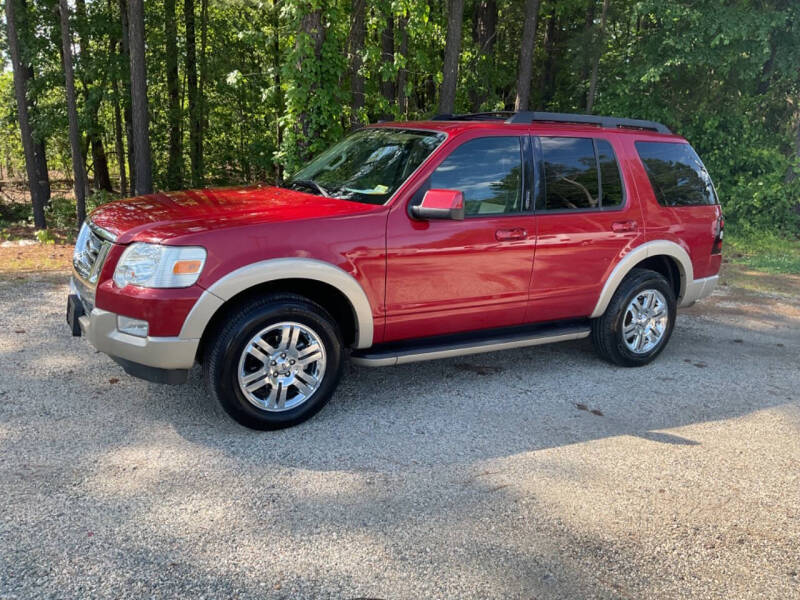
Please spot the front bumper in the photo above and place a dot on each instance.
(159, 359)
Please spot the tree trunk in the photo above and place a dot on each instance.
(484, 32)
(118, 138)
(195, 141)
(40, 162)
(358, 34)
(598, 54)
(72, 114)
(94, 133)
(588, 38)
(311, 25)
(387, 58)
(402, 72)
(526, 55)
(767, 69)
(279, 103)
(201, 91)
(174, 178)
(548, 84)
(139, 105)
(452, 52)
(102, 177)
(21, 77)
(126, 59)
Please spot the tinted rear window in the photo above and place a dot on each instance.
(677, 174)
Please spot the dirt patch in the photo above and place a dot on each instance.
(35, 258)
(742, 277)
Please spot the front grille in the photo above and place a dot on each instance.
(90, 253)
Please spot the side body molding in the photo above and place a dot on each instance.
(637, 255)
(282, 268)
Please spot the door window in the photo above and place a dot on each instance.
(578, 174)
(488, 171)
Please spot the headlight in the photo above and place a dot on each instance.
(156, 266)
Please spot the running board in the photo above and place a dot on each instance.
(394, 353)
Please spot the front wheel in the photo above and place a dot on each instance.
(275, 363)
(638, 321)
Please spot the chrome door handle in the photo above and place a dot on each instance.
(503, 235)
(623, 226)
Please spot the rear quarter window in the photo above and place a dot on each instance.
(677, 174)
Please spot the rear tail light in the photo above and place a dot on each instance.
(717, 247)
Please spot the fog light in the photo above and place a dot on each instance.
(130, 326)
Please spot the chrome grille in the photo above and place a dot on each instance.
(90, 253)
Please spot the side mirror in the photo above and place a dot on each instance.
(440, 204)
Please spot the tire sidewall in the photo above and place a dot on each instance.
(235, 339)
(655, 282)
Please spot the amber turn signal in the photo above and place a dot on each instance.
(187, 267)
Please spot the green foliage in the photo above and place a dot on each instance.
(764, 251)
(722, 73)
(43, 236)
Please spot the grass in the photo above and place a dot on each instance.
(763, 251)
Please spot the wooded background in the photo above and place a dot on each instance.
(123, 97)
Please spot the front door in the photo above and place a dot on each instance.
(446, 276)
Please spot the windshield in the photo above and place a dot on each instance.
(367, 166)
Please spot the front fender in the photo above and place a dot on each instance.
(276, 269)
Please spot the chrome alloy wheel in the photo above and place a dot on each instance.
(645, 322)
(282, 366)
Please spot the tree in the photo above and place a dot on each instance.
(596, 65)
(387, 59)
(174, 178)
(72, 113)
(526, 55)
(125, 55)
(402, 71)
(548, 80)
(452, 52)
(139, 105)
(93, 98)
(358, 35)
(39, 193)
(484, 34)
(195, 114)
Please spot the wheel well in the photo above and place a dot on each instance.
(667, 266)
(327, 296)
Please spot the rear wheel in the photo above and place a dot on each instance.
(638, 321)
(275, 363)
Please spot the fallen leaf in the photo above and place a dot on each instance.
(113, 380)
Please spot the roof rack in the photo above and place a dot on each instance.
(501, 115)
(524, 117)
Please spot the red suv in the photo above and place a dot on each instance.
(404, 242)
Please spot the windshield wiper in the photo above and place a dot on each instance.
(310, 183)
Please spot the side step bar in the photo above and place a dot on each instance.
(394, 353)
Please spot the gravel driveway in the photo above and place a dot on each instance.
(536, 473)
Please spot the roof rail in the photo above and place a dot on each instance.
(478, 116)
(610, 122)
(525, 117)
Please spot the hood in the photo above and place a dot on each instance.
(166, 215)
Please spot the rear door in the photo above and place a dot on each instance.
(586, 217)
(447, 276)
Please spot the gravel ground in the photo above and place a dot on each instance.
(537, 473)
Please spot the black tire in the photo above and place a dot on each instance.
(607, 330)
(228, 342)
